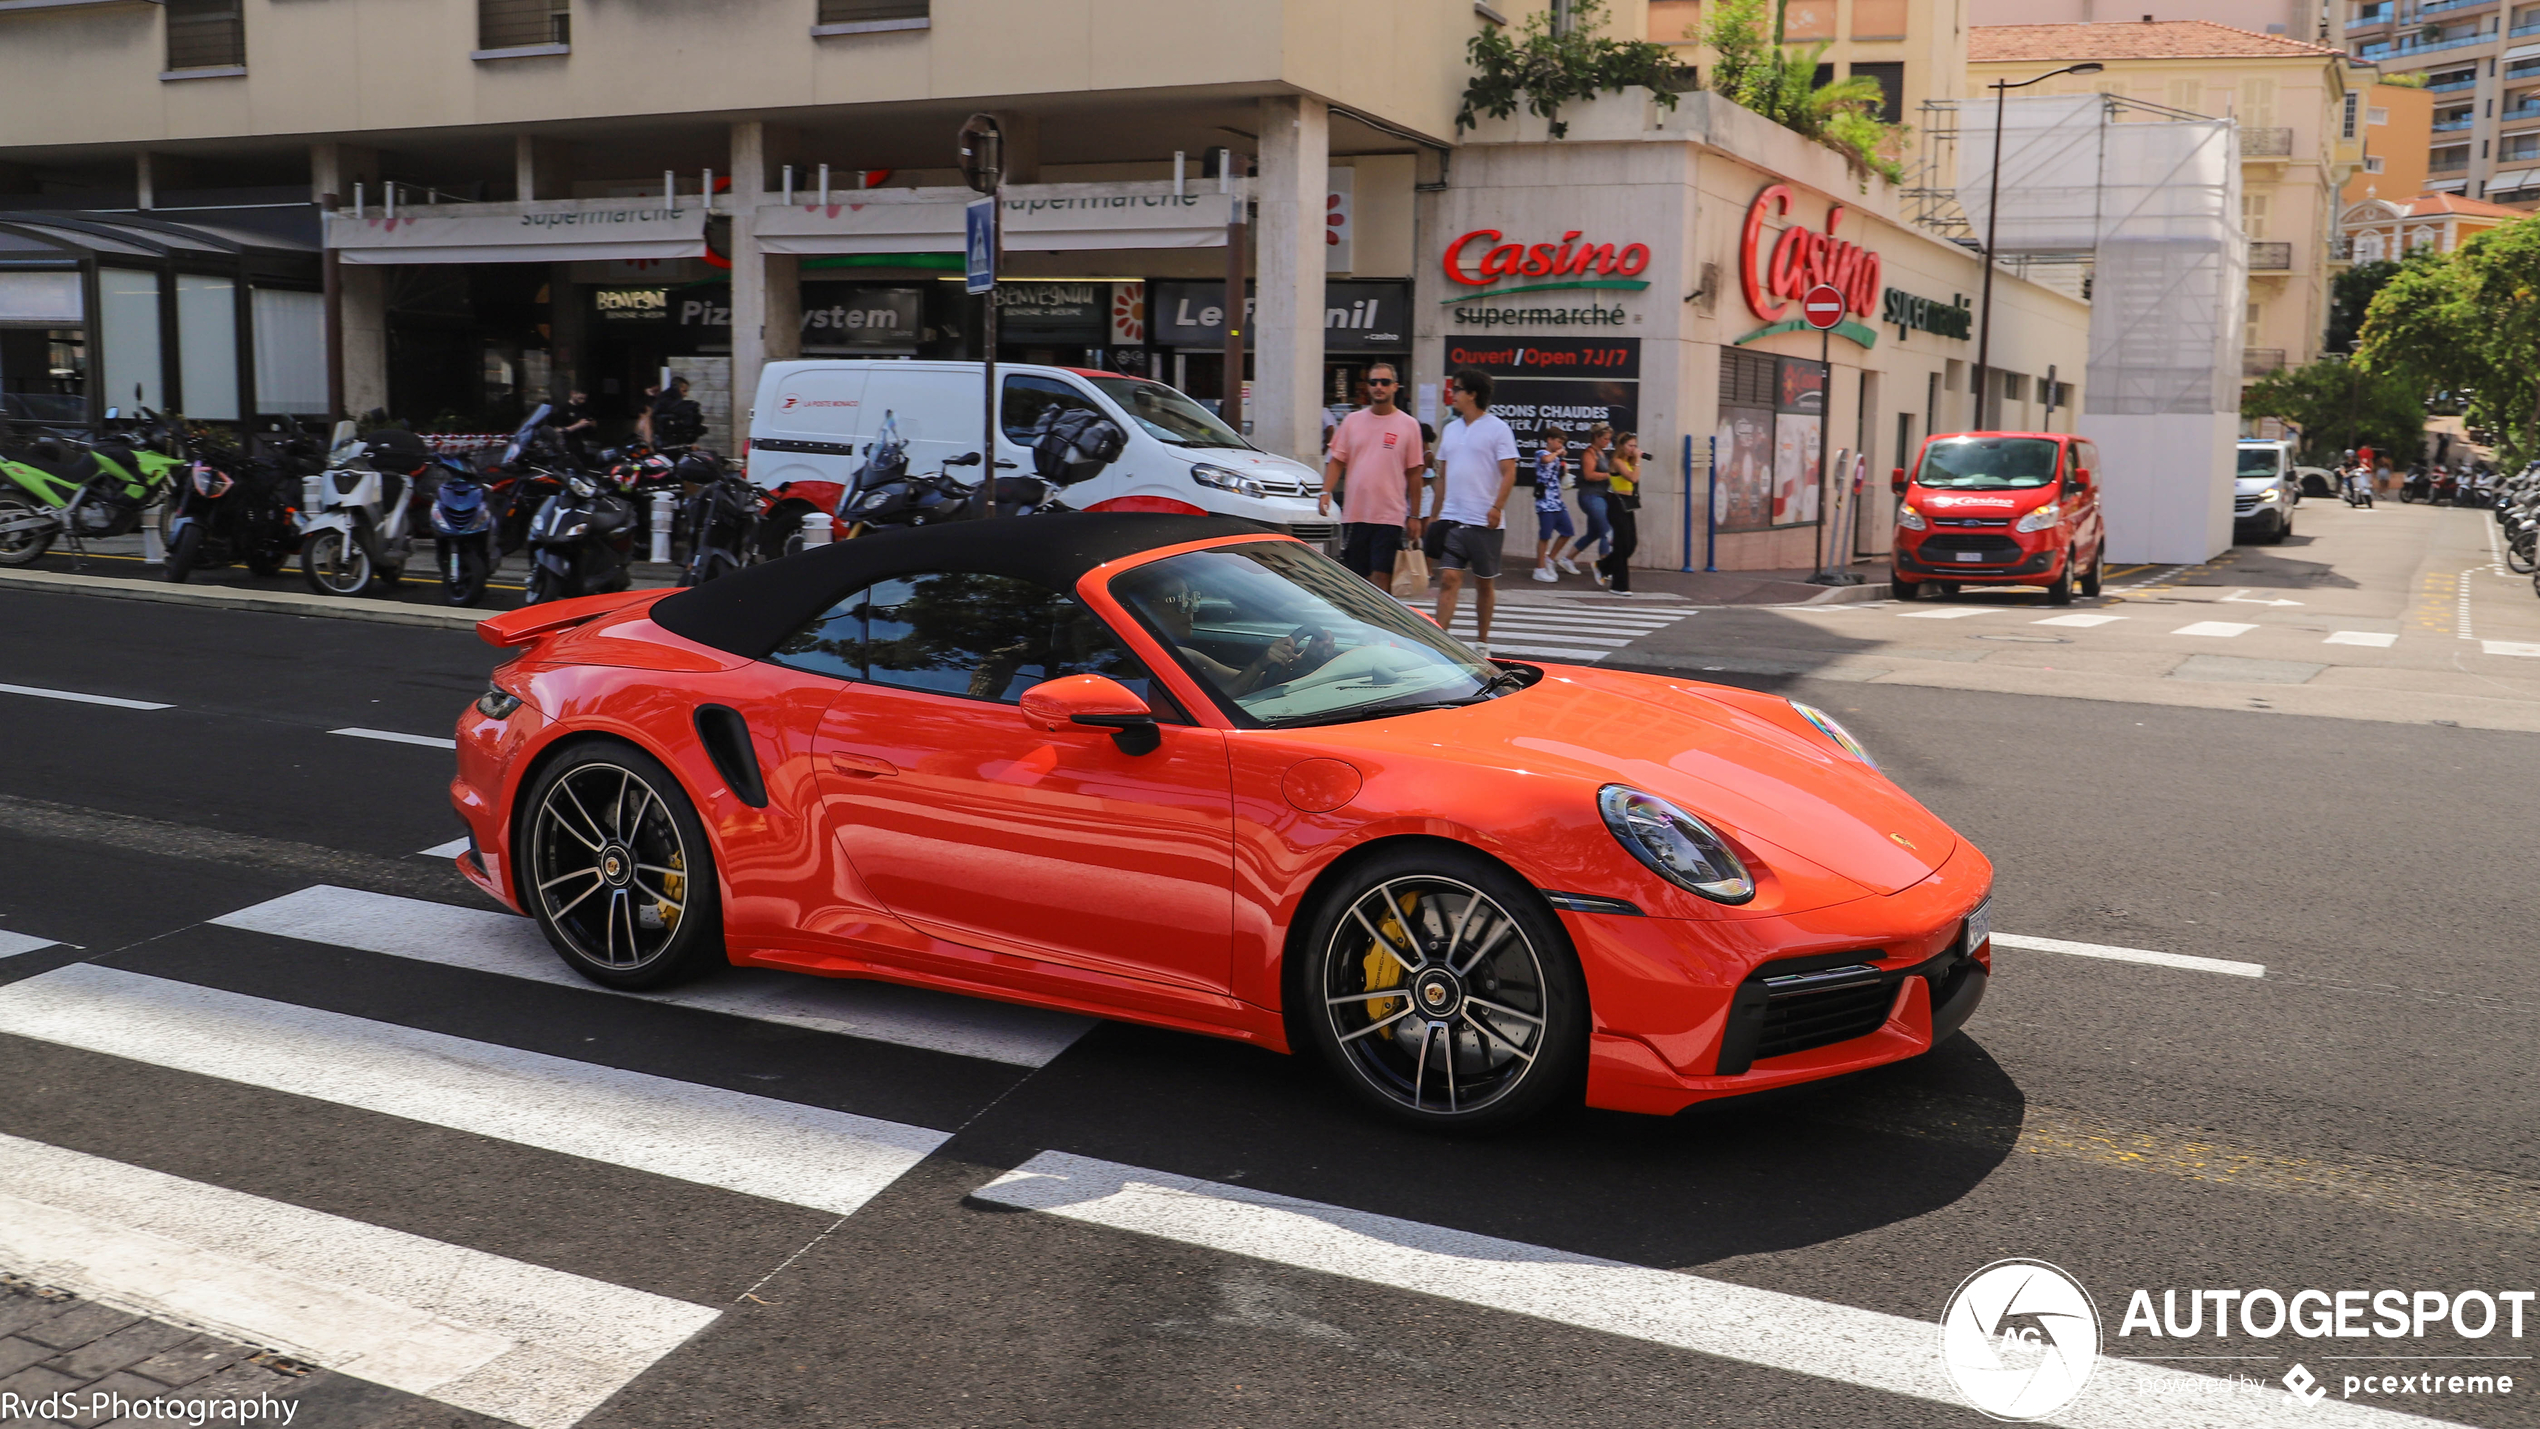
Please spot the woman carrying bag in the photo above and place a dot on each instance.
(1622, 499)
(1595, 481)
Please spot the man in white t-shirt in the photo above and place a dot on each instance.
(1476, 468)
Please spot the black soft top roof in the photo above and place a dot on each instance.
(748, 612)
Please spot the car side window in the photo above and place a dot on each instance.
(1028, 396)
(987, 637)
(831, 644)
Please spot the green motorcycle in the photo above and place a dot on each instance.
(51, 489)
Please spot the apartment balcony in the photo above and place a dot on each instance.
(2445, 126)
(2265, 143)
(2447, 7)
(2259, 361)
(2528, 27)
(2270, 257)
(2417, 46)
(2518, 114)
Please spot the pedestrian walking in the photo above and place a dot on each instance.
(1375, 463)
(1553, 530)
(1622, 502)
(1476, 469)
(1595, 480)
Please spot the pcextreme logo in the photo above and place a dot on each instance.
(2019, 1338)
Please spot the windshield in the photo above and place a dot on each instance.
(1988, 463)
(1288, 636)
(2257, 463)
(1166, 414)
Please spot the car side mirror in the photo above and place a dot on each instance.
(1096, 701)
(1896, 480)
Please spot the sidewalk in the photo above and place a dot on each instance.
(1517, 584)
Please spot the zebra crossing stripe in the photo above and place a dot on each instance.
(800, 1155)
(536, 1347)
(513, 947)
(12, 944)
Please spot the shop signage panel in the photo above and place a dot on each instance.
(580, 230)
(1357, 316)
(1802, 258)
(631, 305)
(1034, 218)
(834, 314)
(1546, 385)
(1056, 312)
(1931, 315)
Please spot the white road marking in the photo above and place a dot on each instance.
(2219, 629)
(428, 741)
(513, 946)
(1949, 612)
(800, 1155)
(2374, 639)
(2081, 622)
(452, 849)
(523, 1343)
(78, 698)
(2511, 647)
(2131, 955)
(1571, 620)
(1552, 652)
(12, 944)
(1465, 629)
(1770, 1328)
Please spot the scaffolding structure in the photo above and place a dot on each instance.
(2137, 207)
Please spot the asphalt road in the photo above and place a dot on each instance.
(2359, 1117)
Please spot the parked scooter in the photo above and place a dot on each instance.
(581, 541)
(356, 516)
(49, 490)
(232, 507)
(463, 521)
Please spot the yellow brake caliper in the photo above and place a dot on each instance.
(1381, 967)
(673, 886)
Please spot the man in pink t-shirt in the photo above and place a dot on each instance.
(1376, 451)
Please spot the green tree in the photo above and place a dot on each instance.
(2468, 323)
(1758, 72)
(2339, 406)
(1552, 68)
(2349, 296)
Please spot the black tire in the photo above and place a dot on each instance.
(2059, 591)
(1944, 590)
(2283, 528)
(469, 588)
(264, 567)
(2522, 553)
(334, 563)
(652, 917)
(187, 551)
(544, 585)
(1498, 1041)
(1904, 589)
(21, 548)
(2097, 574)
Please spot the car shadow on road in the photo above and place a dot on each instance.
(1740, 1176)
(2271, 568)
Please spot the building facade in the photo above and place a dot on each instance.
(2398, 130)
(2299, 139)
(1915, 49)
(2480, 62)
(2386, 230)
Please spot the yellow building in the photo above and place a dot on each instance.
(2297, 142)
(2398, 127)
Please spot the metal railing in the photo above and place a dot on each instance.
(2421, 46)
(2446, 125)
(2259, 361)
(2440, 164)
(2269, 257)
(2453, 86)
(2440, 7)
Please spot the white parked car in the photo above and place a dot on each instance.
(814, 421)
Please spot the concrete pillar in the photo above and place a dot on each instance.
(766, 294)
(540, 169)
(361, 291)
(144, 184)
(1022, 146)
(566, 347)
(1287, 324)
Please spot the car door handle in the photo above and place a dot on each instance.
(862, 766)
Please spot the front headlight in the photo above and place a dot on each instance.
(2042, 519)
(2270, 494)
(1224, 480)
(1677, 846)
(1910, 519)
(1828, 726)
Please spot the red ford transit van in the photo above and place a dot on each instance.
(2001, 508)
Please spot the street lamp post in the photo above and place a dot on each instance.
(1993, 217)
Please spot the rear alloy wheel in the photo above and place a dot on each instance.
(25, 532)
(1443, 992)
(335, 564)
(2091, 582)
(613, 864)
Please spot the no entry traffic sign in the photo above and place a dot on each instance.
(1823, 307)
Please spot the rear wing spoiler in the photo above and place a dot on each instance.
(531, 624)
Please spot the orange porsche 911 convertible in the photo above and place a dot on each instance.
(1187, 772)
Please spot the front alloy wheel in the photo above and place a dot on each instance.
(1446, 994)
(614, 865)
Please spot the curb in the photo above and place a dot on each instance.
(273, 602)
(1849, 594)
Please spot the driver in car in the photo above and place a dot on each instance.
(1300, 651)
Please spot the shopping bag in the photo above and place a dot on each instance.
(1411, 574)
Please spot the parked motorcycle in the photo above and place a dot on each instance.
(720, 522)
(50, 489)
(581, 541)
(356, 516)
(232, 507)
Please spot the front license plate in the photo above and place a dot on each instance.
(1979, 925)
(1971, 555)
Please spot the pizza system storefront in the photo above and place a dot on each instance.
(1646, 272)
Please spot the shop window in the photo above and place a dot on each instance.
(206, 34)
(523, 24)
(871, 14)
(1890, 75)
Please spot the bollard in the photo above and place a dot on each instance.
(154, 551)
(815, 530)
(663, 505)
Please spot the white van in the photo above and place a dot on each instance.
(814, 419)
